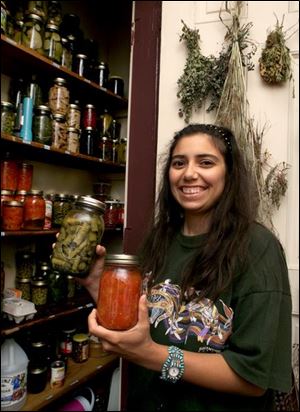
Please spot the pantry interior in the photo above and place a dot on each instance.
(122, 31)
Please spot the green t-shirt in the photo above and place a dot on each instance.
(250, 325)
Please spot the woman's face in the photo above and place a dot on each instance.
(197, 173)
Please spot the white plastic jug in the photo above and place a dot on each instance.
(14, 362)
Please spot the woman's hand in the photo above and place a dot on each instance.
(133, 344)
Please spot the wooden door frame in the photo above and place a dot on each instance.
(143, 115)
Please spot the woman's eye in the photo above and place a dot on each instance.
(177, 163)
(206, 163)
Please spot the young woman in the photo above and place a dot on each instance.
(214, 328)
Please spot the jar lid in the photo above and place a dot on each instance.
(81, 56)
(74, 106)
(37, 370)
(38, 344)
(43, 107)
(121, 258)
(39, 282)
(102, 65)
(116, 78)
(8, 105)
(58, 116)
(69, 330)
(91, 201)
(52, 26)
(24, 280)
(36, 192)
(13, 203)
(60, 80)
(7, 192)
(90, 106)
(21, 192)
(89, 128)
(80, 337)
(33, 16)
(73, 129)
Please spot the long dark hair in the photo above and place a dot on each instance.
(213, 268)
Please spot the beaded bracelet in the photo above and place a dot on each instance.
(173, 367)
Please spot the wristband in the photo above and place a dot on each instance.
(173, 367)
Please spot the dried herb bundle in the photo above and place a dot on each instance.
(275, 60)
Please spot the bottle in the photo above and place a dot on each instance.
(119, 292)
(14, 362)
(81, 231)
(26, 130)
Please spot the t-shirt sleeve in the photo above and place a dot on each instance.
(259, 349)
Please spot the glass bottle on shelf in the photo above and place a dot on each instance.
(12, 215)
(25, 173)
(32, 34)
(52, 43)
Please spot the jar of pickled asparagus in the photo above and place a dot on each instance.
(81, 230)
(119, 292)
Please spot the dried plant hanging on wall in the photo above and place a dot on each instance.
(204, 76)
(233, 112)
(275, 61)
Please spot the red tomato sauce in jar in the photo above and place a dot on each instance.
(9, 174)
(34, 210)
(12, 217)
(25, 172)
(119, 292)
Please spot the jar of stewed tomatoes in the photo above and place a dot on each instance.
(34, 210)
(25, 172)
(12, 215)
(119, 292)
(9, 174)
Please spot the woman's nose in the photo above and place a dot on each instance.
(191, 172)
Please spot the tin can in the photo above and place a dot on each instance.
(81, 346)
(66, 343)
(57, 374)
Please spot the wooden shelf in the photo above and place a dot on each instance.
(77, 374)
(20, 60)
(23, 233)
(42, 153)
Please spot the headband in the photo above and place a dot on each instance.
(222, 133)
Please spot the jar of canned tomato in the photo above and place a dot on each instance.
(9, 174)
(12, 215)
(34, 210)
(119, 292)
(25, 172)
(20, 195)
(6, 195)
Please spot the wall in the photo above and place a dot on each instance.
(272, 105)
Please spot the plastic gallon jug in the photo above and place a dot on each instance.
(80, 403)
(14, 362)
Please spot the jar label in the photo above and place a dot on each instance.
(13, 388)
(57, 376)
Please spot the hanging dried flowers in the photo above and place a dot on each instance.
(275, 60)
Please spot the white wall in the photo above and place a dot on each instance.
(268, 104)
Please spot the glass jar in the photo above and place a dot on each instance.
(37, 7)
(9, 174)
(32, 34)
(7, 117)
(10, 26)
(42, 125)
(34, 91)
(120, 215)
(73, 136)
(114, 151)
(122, 150)
(34, 211)
(59, 97)
(101, 73)
(81, 231)
(54, 12)
(25, 265)
(24, 285)
(66, 55)
(59, 132)
(37, 378)
(25, 172)
(20, 195)
(61, 207)
(38, 352)
(39, 292)
(12, 215)
(71, 287)
(111, 214)
(43, 271)
(18, 31)
(49, 198)
(88, 142)
(66, 341)
(5, 196)
(80, 64)
(80, 352)
(4, 11)
(120, 283)
(58, 287)
(105, 123)
(52, 43)
(105, 149)
(73, 116)
(90, 116)
(116, 85)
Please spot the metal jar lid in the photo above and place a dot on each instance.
(122, 258)
(7, 192)
(81, 56)
(24, 280)
(74, 106)
(37, 370)
(13, 203)
(38, 344)
(8, 105)
(36, 192)
(92, 202)
(43, 108)
(21, 192)
(52, 26)
(80, 337)
(60, 80)
(39, 282)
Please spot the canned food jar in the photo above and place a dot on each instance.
(24, 285)
(90, 116)
(5, 196)
(116, 85)
(101, 73)
(38, 352)
(66, 343)
(57, 374)
(119, 292)
(37, 378)
(42, 125)
(105, 149)
(39, 292)
(61, 206)
(12, 215)
(9, 174)
(20, 195)
(73, 116)
(81, 344)
(59, 97)
(7, 117)
(25, 265)
(73, 136)
(59, 132)
(81, 231)
(66, 56)
(80, 64)
(32, 34)
(34, 210)
(88, 142)
(52, 43)
(111, 214)
(25, 173)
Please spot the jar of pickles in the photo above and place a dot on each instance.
(18, 31)
(37, 7)
(73, 136)
(59, 97)
(24, 285)
(25, 265)
(61, 207)
(81, 231)
(12, 215)
(59, 132)
(32, 34)
(120, 283)
(7, 117)
(9, 174)
(39, 292)
(34, 211)
(54, 12)
(42, 125)
(25, 172)
(73, 116)
(52, 43)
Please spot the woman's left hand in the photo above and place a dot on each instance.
(131, 343)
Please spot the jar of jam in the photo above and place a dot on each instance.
(24, 285)
(25, 172)
(81, 343)
(39, 292)
(89, 116)
(34, 211)
(59, 97)
(59, 132)
(12, 215)
(9, 175)
(119, 292)
(81, 231)
(88, 142)
(37, 378)
(42, 125)
(73, 116)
